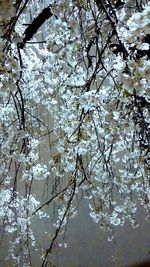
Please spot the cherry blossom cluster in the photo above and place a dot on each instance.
(74, 112)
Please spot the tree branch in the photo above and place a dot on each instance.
(35, 25)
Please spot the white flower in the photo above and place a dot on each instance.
(143, 46)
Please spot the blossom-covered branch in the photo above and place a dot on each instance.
(82, 98)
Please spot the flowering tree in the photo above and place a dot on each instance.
(84, 66)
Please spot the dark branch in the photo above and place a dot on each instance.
(35, 25)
